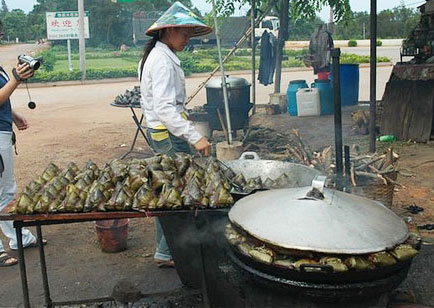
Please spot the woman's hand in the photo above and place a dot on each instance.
(203, 146)
(23, 71)
(20, 121)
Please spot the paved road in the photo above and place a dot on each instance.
(106, 92)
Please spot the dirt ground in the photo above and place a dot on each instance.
(76, 123)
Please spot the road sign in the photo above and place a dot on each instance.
(64, 25)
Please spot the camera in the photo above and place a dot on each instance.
(34, 63)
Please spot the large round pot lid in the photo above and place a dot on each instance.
(341, 223)
(232, 82)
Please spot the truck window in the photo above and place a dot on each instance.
(276, 24)
(267, 24)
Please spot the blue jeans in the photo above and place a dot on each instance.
(8, 188)
(168, 146)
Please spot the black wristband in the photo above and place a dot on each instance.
(16, 76)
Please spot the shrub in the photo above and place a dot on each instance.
(292, 62)
(49, 60)
(294, 52)
(352, 43)
(349, 58)
(187, 62)
(91, 74)
(379, 43)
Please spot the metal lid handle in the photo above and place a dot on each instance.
(319, 182)
(249, 156)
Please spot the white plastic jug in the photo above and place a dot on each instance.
(308, 102)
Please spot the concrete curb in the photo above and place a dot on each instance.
(195, 75)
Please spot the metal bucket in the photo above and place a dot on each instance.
(112, 234)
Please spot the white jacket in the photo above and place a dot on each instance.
(163, 93)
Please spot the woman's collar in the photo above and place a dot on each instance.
(169, 52)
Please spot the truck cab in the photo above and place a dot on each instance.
(270, 24)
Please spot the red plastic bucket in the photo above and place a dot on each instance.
(323, 75)
(112, 234)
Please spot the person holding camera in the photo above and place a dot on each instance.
(8, 186)
(163, 95)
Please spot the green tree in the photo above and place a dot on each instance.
(302, 29)
(356, 27)
(297, 10)
(4, 9)
(110, 23)
(14, 25)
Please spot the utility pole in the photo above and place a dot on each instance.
(81, 41)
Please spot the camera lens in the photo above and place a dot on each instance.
(36, 65)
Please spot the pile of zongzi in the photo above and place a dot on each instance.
(155, 183)
(295, 259)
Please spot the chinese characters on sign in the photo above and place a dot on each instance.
(64, 25)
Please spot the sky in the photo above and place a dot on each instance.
(204, 6)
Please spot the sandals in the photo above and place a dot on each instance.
(33, 245)
(4, 258)
(164, 263)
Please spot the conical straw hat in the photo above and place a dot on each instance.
(179, 16)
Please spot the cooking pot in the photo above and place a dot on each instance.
(332, 222)
(251, 166)
(321, 222)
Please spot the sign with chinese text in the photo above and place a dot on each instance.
(64, 25)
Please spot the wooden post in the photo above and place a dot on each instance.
(81, 41)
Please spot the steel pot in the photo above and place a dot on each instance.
(251, 166)
(339, 223)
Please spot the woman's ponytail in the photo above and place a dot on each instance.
(148, 48)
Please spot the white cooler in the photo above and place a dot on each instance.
(308, 102)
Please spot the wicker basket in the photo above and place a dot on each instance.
(375, 189)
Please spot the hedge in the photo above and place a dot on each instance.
(91, 74)
(202, 61)
(352, 43)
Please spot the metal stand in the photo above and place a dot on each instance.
(39, 220)
(336, 53)
(19, 231)
(139, 129)
(18, 225)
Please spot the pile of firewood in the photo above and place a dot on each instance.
(362, 166)
(374, 166)
(301, 153)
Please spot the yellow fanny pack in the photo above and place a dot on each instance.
(160, 136)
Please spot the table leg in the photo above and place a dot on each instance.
(48, 301)
(19, 233)
(135, 136)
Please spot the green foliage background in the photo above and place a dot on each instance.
(111, 23)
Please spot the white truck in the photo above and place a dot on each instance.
(270, 24)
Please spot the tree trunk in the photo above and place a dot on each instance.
(283, 30)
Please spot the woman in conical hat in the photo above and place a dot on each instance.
(163, 95)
